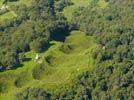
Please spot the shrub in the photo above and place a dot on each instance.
(37, 71)
(66, 48)
(34, 94)
(49, 59)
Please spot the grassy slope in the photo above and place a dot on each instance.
(61, 71)
(68, 11)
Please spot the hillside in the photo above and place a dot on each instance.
(57, 72)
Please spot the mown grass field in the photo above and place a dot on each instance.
(62, 69)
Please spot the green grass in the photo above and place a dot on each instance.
(1, 1)
(102, 4)
(64, 67)
(8, 15)
(26, 2)
(68, 11)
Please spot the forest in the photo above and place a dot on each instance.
(66, 50)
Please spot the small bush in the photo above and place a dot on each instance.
(34, 94)
(66, 48)
(37, 71)
(3, 87)
(20, 81)
(49, 59)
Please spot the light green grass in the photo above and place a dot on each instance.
(1, 1)
(8, 15)
(68, 11)
(26, 2)
(102, 4)
(62, 70)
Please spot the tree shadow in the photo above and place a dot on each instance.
(59, 36)
(17, 66)
(46, 47)
(27, 59)
(13, 68)
(60, 31)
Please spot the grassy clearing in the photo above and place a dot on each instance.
(68, 11)
(61, 70)
(102, 4)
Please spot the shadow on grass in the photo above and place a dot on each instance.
(46, 47)
(19, 65)
(27, 59)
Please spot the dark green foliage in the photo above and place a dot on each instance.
(3, 88)
(61, 4)
(22, 57)
(34, 94)
(113, 75)
(59, 30)
(49, 59)
(38, 45)
(3, 85)
(20, 80)
(37, 71)
(5, 1)
(66, 48)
